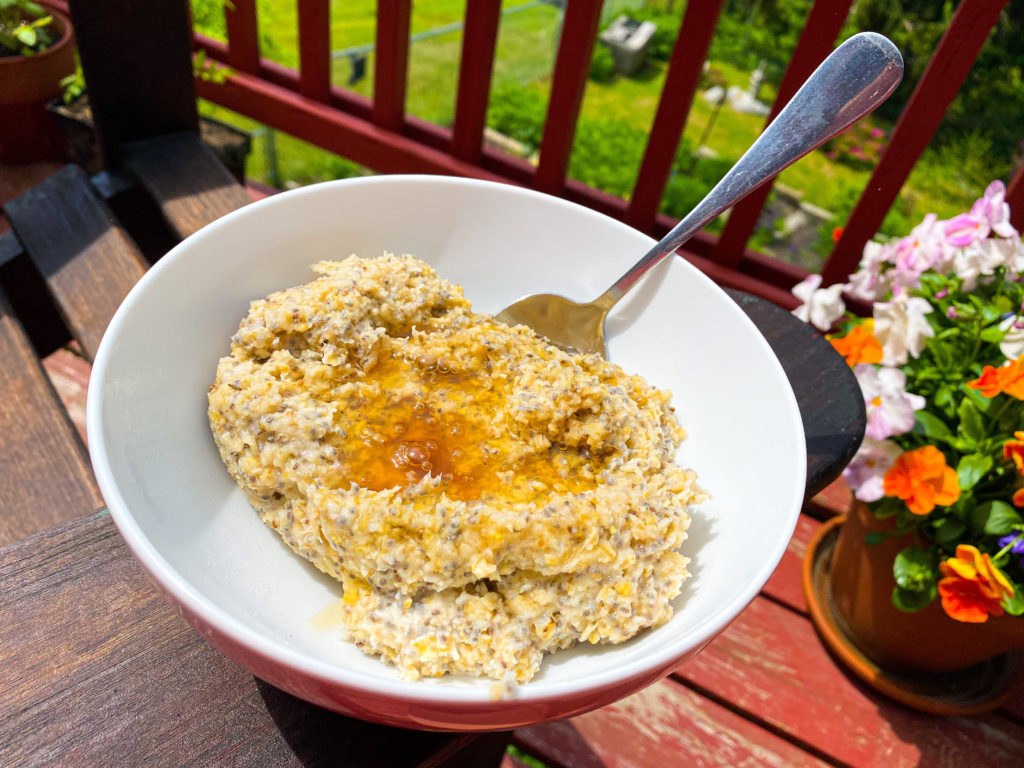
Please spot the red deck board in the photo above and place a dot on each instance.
(786, 584)
(949, 65)
(663, 725)
(771, 664)
(816, 40)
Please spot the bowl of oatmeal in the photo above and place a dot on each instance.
(356, 484)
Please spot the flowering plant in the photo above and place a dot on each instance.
(859, 146)
(941, 365)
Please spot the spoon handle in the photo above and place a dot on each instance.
(857, 77)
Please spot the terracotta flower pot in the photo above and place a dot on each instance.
(28, 132)
(925, 641)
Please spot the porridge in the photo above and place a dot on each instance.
(483, 497)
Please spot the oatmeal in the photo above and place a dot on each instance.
(483, 497)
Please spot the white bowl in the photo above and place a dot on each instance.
(235, 581)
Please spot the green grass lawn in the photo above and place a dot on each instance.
(943, 182)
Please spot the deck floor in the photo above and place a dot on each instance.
(766, 692)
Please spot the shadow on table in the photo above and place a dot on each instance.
(319, 737)
(948, 740)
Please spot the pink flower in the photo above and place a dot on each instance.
(994, 209)
(877, 133)
(924, 248)
(890, 408)
(865, 472)
(822, 306)
(965, 229)
(869, 282)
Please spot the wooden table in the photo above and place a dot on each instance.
(100, 669)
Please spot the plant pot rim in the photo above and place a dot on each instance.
(977, 689)
(66, 36)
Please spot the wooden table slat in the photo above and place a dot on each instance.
(666, 724)
(830, 400)
(101, 670)
(770, 664)
(46, 476)
(87, 259)
(187, 181)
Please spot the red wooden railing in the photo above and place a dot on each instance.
(379, 134)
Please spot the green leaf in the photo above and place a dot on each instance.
(981, 402)
(909, 601)
(886, 508)
(913, 569)
(949, 531)
(993, 334)
(1014, 605)
(877, 537)
(26, 35)
(971, 425)
(971, 469)
(943, 354)
(943, 395)
(996, 518)
(931, 426)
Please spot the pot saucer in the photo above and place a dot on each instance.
(968, 691)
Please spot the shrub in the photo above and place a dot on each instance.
(682, 195)
(602, 65)
(859, 146)
(607, 154)
(518, 113)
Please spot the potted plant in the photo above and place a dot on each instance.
(74, 115)
(36, 52)
(927, 571)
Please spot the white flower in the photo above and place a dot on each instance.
(982, 258)
(869, 282)
(1012, 345)
(890, 408)
(821, 306)
(901, 327)
(865, 474)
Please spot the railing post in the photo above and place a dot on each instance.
(391, 63)
(572, 64)
(137, 62)
(946, 71)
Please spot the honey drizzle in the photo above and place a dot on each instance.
(442, 429)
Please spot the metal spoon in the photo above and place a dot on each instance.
(857, 77)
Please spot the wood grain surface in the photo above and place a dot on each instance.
(45, 477)
(100, 670)
(87, 259)
(770, 664)
(830, 400)
(662, 726)
(186, 180)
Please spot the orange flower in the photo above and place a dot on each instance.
(1014, 449)
(922, 479)
(1018, 497)
(1008, 379)
(973, 587)
(859, 345)
(836, 234)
